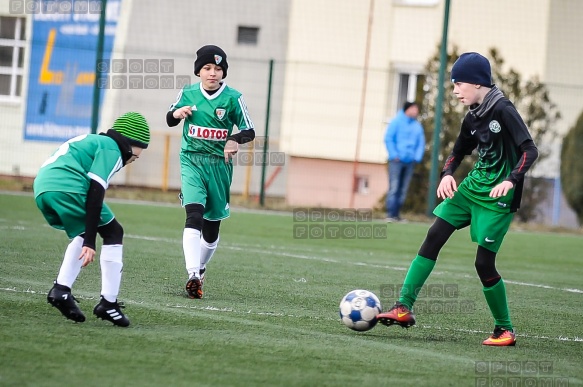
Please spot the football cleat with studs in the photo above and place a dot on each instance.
(61, 298)
(194, 287)
(399, 314)
(111, 311)
(501, 337)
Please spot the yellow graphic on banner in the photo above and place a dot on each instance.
(50, 77)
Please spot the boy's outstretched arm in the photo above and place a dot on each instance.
(463, 146)
(173, 117)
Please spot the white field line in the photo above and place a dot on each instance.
(239, 317)
(331, 260)
(570, 290)
(210, 308)
(272, 251)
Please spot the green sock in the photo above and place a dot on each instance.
(498, 303)
(416, 276)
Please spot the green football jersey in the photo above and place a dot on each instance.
(497, 135)
(213, 118)
(78, 161)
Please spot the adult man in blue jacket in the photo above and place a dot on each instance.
(405, 142)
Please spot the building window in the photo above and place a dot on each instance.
(361, 185)
(248, 35)
(12, 44)
(417, 3)
(409, 87)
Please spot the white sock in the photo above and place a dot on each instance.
(111, 267)
(71, 266)
(191, 246)
(206, 251)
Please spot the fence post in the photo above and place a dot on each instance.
(166, 163)
(99, 57)
(556, 201)
(266, 139)
(438, 115)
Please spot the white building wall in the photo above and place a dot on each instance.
(323, 99)
(533, 37)
(518, 29)
(153, 30)
(563, 75)
(319, 47)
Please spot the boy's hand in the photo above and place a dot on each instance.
(88, 254)
(231, 149)
(447, 186)
(183, 112)
(501, 189)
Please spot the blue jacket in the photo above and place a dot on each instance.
(405, 139)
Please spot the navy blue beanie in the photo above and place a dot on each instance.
(473, 68)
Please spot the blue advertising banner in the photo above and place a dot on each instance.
(62, 67)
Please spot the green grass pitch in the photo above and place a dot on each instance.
(270, 312)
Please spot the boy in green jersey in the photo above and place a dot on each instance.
(485, 200)
(69, 190)
(210, 110)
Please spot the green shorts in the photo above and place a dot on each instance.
(206, 180)
(487, 227)
(66, 211)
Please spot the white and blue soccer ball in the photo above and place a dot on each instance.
(358, 310)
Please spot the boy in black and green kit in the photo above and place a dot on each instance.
(485, 200)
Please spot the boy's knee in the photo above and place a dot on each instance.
(486, 267)
(194, 216)
(112, 233)
(210, 230)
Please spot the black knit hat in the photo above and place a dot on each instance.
(473, 68)
(210, 54)
(408, 104)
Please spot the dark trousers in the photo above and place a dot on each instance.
(399, 179)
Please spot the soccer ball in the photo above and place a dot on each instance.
(358, 310)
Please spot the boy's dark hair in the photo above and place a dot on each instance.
(408, 104)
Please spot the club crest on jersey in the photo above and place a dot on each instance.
(218, 59)
(494, 126)
(220, 112)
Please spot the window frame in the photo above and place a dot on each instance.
(18, 45)
(407, 91)
(417, 3)
(251, 31)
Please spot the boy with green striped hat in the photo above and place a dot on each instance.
(69, 190)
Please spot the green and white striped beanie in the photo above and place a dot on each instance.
(134, 127)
